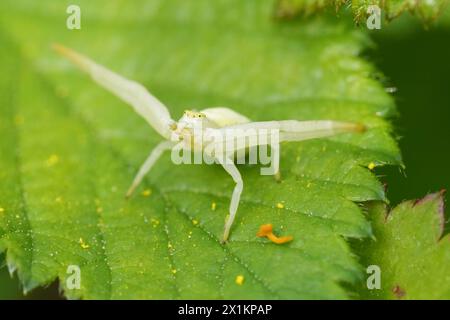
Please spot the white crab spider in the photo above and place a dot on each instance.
(157, 115)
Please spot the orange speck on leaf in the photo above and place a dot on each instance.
(266, 230)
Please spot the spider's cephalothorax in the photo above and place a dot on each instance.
(190, 128)
(194, 125)
(222, 121)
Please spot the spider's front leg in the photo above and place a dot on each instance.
(148, 164)
(229, 166)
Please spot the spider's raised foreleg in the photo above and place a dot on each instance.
(233, 171)
(131, 92)
(148, 164)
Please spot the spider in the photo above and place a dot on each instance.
(219, 120)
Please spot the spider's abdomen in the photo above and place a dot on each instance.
(223, 117)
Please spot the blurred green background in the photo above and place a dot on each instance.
(416, 62)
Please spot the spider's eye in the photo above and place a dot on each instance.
(173, 126)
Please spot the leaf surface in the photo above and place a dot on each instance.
(69, 151)
(411, 250)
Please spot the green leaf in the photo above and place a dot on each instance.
(69, 151)
(427, 11)
(410, 249)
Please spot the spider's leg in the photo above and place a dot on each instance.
(293, 130)
(148, 164)
(233, 171)
(277, 176)
(131, 92)
(260, 133)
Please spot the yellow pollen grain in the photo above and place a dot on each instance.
(146, 193)
(83, 244)
(52, 160)
(62, 92)
(239, 280)
(18, 120)
(194, 222)
(371, 166)
(213, 206)
(155, 222)
(280, 205)
(2, 210)
(174, 271)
